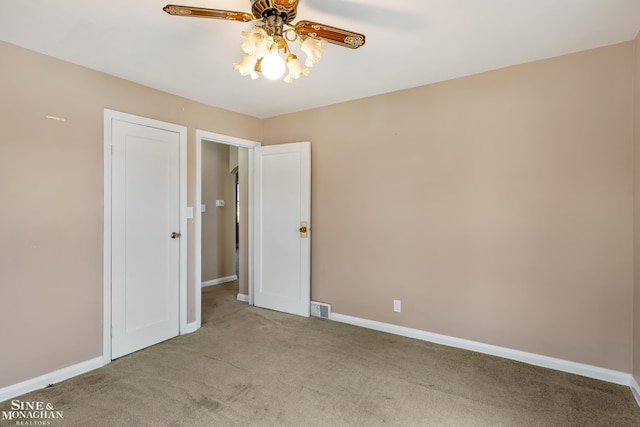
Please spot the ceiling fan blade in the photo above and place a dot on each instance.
(200, 12)
(331, 34)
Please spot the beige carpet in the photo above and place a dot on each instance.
(254, 367)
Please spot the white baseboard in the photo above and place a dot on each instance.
(595, 372)
(243, 297)
(635, 389)
(219, 281)
(51, 378)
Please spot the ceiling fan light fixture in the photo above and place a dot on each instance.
(262, 45)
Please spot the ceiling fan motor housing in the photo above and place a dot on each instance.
(287, 9)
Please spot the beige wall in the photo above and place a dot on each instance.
(636, 121)
(497, 207)
(51, 181)
(218, 223)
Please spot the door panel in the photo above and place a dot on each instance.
(283, 202)
(145, 259)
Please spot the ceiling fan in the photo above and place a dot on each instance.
(264, 43)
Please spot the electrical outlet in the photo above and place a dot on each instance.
(397, 305)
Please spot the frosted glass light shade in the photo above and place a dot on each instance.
(314, 49)
(247, 66)
(295, 69)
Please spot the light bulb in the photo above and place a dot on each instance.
(273, 66)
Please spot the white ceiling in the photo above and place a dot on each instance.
(409, 43)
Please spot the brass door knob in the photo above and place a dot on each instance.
(174, 235)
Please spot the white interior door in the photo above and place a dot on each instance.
(145, 258)
(282, 208)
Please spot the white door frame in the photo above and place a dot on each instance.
(202, 135)
(109, 116)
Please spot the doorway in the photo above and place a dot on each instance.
(244, 149)
(273, 172)
(220, 165)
